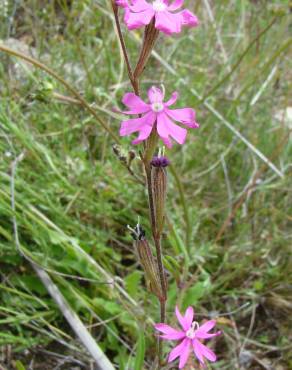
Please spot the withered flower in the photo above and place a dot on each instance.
(147, 261)
(159, 189)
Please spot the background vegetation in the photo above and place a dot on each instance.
(228, 241)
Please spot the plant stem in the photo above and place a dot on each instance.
(148, 153)
(134, 81)
(157, 242)
(159, 342)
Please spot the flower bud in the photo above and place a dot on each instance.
(131, 156)
(118, 152)
(147, 261)
(159, 188)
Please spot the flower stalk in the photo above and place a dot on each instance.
(153, 120)
(153, 205)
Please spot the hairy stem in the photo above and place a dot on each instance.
(157, 242)
(134, 81)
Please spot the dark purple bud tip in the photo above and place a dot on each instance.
(160, 162)
(138, 233)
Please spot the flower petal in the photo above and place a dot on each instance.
(185, 352)
(173, 99)
(204, 335)
(166, 128)
(155, 95)
(170, 333)
(181, 319)
(198, 351)
(137, 20)
(167, 142)
(167, 22)
(175, 336)
(137, 124)
(143, 135)
(207, 326)
(139, 6)
(189, 316)
(175, 5)
(203, 351)
(178, 350)
(187, 116)
(122, 3)
(202, 332)
(131, 125)
(189, 19)
(135, 103)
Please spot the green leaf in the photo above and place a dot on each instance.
(139, 361)
(178, 244)
(172, 266)
(19, 365)
(109, 307)
(132, 282)
(31, 282)
(196, 292)
(258, 285)
(56, 237)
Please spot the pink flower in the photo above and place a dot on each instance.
(139, 13)
(157, 114)
(191, 335)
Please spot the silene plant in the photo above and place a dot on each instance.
(154, 121)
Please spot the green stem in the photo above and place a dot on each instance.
(157, 242)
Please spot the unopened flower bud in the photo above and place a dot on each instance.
(118, 152)
(44, 92)
(131, 156)
(147, 261)
(160, 162)
(159, 188)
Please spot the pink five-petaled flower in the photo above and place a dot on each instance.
(191, 335)
(139, 13)
(157, 114)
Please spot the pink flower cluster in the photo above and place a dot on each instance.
(191, 336)
(139, 13)
(157, 113)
